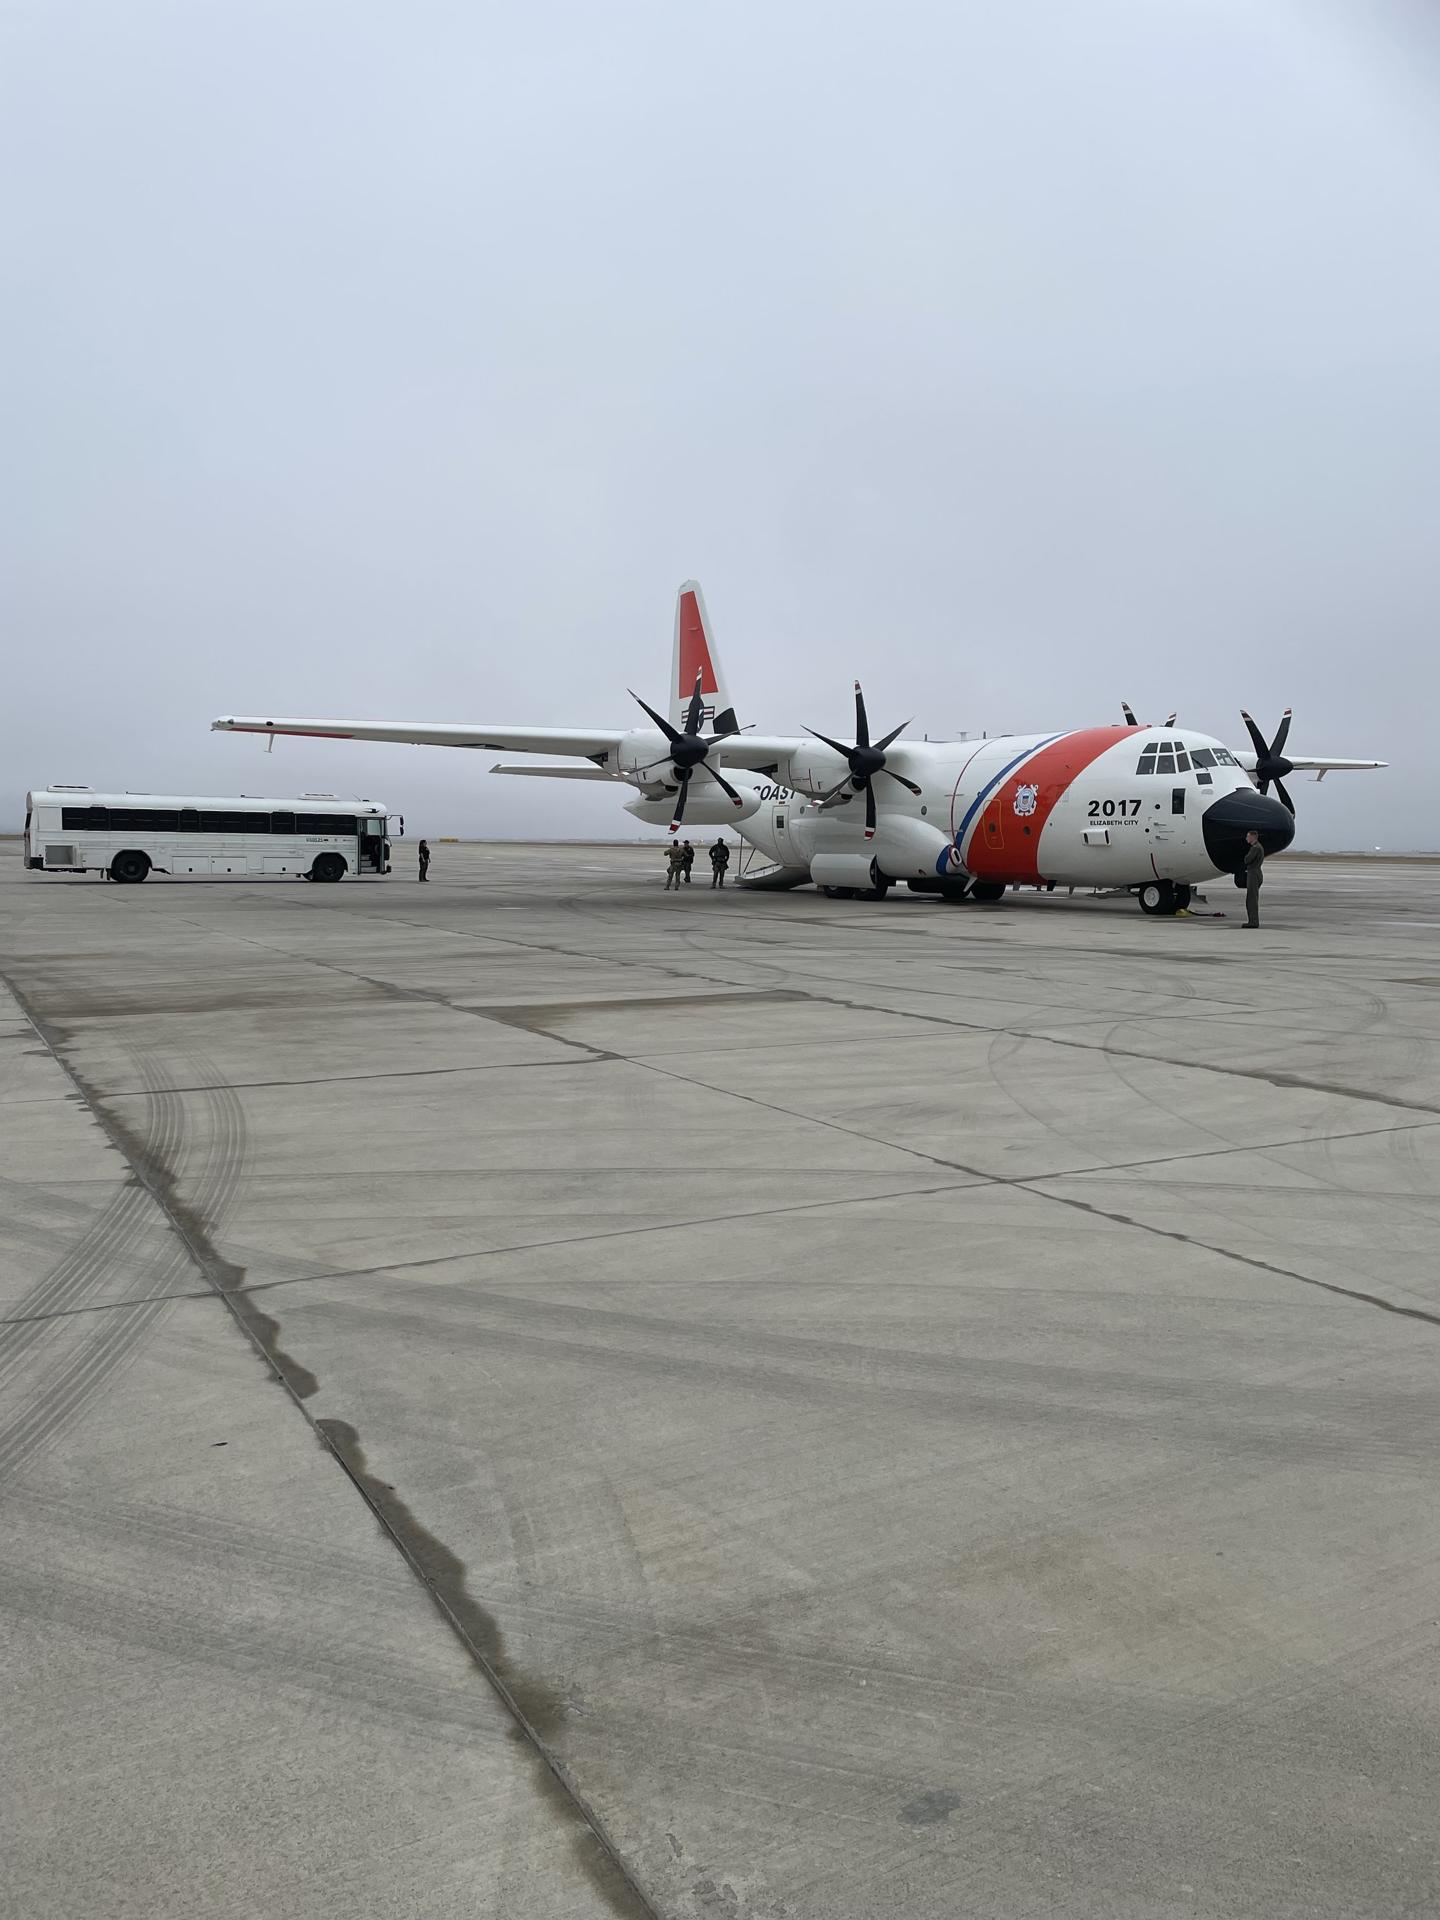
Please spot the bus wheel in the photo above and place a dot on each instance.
(329, 866)
(129, 866)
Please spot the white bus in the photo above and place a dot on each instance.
(126, 836)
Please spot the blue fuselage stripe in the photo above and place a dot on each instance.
(986, 791)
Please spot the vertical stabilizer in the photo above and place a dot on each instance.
(695, 653)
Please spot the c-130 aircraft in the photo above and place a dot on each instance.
(1143, 809)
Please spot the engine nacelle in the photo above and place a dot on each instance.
(907, 848)
(707, 806)
(843, 870)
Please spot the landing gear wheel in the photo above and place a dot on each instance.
(953, 891)
(879, 884)
(1160, 897)
(1182, 898)
(328, 866)
(988, 890)
(839, 893)
(130, 866)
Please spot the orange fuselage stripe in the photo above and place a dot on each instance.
(1004, 844)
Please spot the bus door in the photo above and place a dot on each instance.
(372, 843)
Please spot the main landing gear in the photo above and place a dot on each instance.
(1163, 897)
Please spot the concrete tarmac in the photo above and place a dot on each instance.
(538, 1396)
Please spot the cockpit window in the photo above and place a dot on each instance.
(1159, 757)
(1172, 756)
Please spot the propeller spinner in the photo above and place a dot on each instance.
(864, 761)
(1270, 761)
(688, 751)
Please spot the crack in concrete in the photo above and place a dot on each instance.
(534, 1709)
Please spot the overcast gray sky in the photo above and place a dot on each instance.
(401, 360)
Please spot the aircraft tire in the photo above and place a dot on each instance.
(1159, 897)
(132, 866)
(988, 891)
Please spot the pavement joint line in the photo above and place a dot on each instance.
(1286, 1082)
(1029, 1185)
(322, 1432)
(1248, 1260)
(336, 1079)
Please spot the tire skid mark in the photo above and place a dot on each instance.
(92, 1354)
(88, 1354)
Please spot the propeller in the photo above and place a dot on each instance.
(1270, 761)
(688, 751)
(1131, 721)
(864, 761)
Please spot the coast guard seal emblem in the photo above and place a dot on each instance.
(1025, 799)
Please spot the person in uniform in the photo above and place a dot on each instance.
(675, 865)
(1254, 878)
(688, 862)
(719, 861)
(424, 852)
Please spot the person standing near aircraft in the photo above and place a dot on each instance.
(424, 852)
(719, 861)
(1254, 877)
(675, 865)
(688, 861)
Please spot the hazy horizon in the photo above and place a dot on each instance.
(1018, 362)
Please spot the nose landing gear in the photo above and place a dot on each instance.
(1163, 897)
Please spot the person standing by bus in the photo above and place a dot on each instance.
(424, 852)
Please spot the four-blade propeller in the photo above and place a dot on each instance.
(864, 761)
(688, 751)
(1270, 761)
(1131, 721)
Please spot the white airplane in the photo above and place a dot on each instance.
(1138, 808)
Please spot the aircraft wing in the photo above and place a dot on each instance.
(753, 751)
(425, 733)
(1317, 763)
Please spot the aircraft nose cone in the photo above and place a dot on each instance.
(1226, 822)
